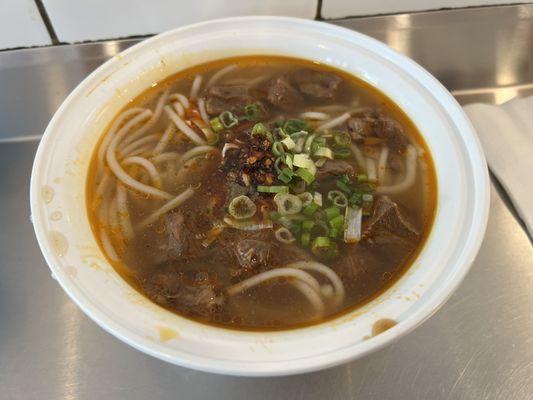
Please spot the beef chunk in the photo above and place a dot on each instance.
(333, 168)
(376, 124)
(173, 289)
(388, 224)
(360, 127)
(227, 98)
(252, 254)
(391, 130)
(282, 94)
(354, 263)
(178, 235)
(316, 84)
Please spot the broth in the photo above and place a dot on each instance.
(261, 193)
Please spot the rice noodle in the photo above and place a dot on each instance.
(108, 247)
(112, 214)
(228, 146)
(359, 157)
(195, 152)
(382, 164)
(203, 112)
(324, 270)
(183, 127)
(273, 274)
(169, 156)
(153, 120)
(410, 174)
(137, 144)
(119, 171)
(111, 134)
(312, 296)
(219, 74)
(247, 226)
(148, 166)
(371, 170)
(179, 108)
(165, 139)
(103, 186)
(181, 98)
(334, 122)
(195, 87)
(123, 213)
(314, 115)
(175, 202)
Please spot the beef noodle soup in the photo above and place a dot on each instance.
(261, 193)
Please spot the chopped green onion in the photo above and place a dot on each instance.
(362, 178)
(254, 111)
(338, 198)
(322, 247)
(274, 215)
(241, 207)
(342, 139)
(273, 189)
(216, 125)
(284, 235)
(352, 230)
(320, 162)
(295, 125)
(288, 143)
(309, 142)
(277, 165)
(311, 209)
(304, 161)
(334, 233)
(337, 222)
(279, 134)
(317, 198)
(343, 186)
(342, 152)
(356, 199)
(305, 239)
(277, 149)
(332, 212)
(367, 198)
(286, 175)
(306, 197)
(261, 130)
(307, 225)
(324, 152)
(228, 119)
(307, 176)
(322, 227)
(300, 142)
(297, 186)
(288, 160)
(287, 203)
(345, 178)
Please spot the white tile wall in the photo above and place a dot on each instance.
(21, 25)
(345, 8)
(79, 20)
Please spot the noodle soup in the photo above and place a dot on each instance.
(261, 193)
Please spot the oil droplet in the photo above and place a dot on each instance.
(166, 334)
(58, 242)
(56, 216)
(381, 325)
(47, 193)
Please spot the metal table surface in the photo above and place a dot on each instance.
(478, 346)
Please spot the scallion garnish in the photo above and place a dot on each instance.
(277, 149)
(332, 212)
(216, 125)
(307, 176)
(228, 119)
(273, 189)
(311, 209)
(254, 111)
(295, 125)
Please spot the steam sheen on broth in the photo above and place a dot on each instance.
(261, 193)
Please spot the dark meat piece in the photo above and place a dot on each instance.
(360, 127)
(354, 263)
(178, 235)
(316, 84)
(227, 98)
(289, 253)
(393, 133)
(282, 94)
(333, 168)
(375, 124)
(173, 289)
(388, 224)
(252, 254)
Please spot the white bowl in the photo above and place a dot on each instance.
(58, 202)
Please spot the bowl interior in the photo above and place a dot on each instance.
(60, 170)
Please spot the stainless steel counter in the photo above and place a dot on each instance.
(478, 346)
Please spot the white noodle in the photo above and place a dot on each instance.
(195, 87)
(123, 213)
(228, 146)
(148, 166)
(334, 122)
(175, 202)
(256, 81)
(195, 152)
(382, 164)
(112, 214)
(203, 112)
(108, 247)
(324, 270)
(183, 127)
(315, 115)
(179, 108)
(111, 134)
(311, 295)
(143, 150)
(153, 120)
(208, 133)
(137, 144)
(119, 171)
(181, 98)
(165, 139)
(359, 157)
(410, 175)
(219, 74)
(166, 157)
(273, 274)
(103, 186)
(371, 170)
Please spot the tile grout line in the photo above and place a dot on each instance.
(47, 22)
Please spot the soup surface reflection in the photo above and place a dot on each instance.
(261, 193)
